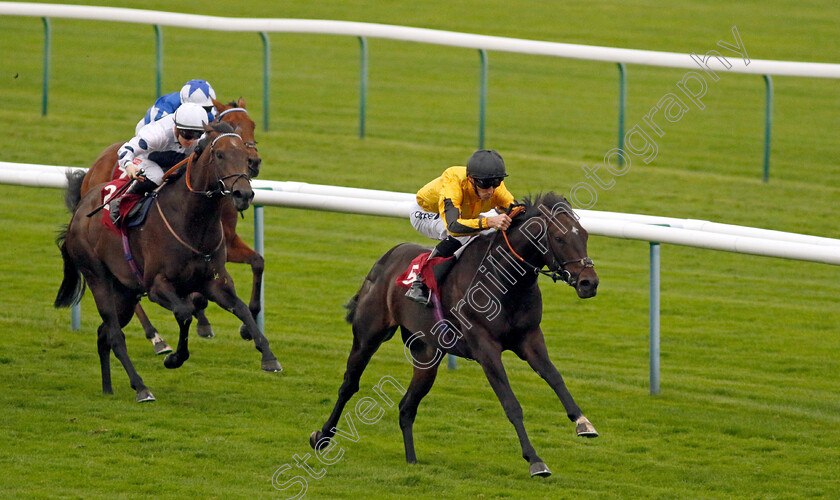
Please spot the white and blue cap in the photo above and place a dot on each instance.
(199, 92)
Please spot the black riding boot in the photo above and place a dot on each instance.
(418, 291)
(136, 187)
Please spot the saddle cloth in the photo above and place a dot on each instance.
(126, 205)
(428, 269)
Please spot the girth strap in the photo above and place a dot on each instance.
(132, 264)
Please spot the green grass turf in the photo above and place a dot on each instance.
(749, 405)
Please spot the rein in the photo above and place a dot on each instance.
(561, 275)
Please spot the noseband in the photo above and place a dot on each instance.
(556, 271)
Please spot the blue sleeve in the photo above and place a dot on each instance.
(167, 104)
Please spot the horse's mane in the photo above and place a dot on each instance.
(532, 205)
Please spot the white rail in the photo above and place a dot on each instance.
(422, 35)
(686, 232)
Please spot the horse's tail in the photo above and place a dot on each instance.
(351, 308)
(73, 195)
(376, 274)
(73, 286)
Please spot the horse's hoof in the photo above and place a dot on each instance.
(243, 332)
(145, 396)
(172, 361)
(585, 429)
(162, 347)
(314, 438)
(539, 469)
(205, 331)
(272, 366)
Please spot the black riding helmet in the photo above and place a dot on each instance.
(486, 164)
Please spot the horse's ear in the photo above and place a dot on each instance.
(204, 141)
(241, 102)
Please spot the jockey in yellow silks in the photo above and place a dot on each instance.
(453, 207)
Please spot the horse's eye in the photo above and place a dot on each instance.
(559, 239)
(220, 155)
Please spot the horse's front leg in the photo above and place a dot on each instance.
(163, 292)
(203, 327)
(220, 290)
(533, 350)
(490, 358)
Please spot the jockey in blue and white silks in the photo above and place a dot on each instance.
(196, 91)
(156, 147)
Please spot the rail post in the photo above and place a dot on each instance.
(622, 102)
(158, 62)
(45, 86)
(266, 76)
(259, 247)
(654, 318)
(768, 123)
(482, 97)
(363, 77)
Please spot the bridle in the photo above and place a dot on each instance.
(220, 189)
(556, 270)
(248, 144)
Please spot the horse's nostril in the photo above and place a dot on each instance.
(585, 283)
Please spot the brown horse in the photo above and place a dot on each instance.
(179, 249)
(104, 169)
(492, 303)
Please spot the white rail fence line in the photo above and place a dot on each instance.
(653, 229)
(403, 33)
(708, 62)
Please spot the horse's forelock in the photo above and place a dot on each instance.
(206, 139)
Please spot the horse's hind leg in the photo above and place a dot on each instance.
(239, 252)
(364, 346)
(421, 384)
(160, 345)
(107, 293)
(533, 350)
(104, 349)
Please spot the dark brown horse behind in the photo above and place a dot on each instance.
(179, 251)
(234, 114)
(491, 302)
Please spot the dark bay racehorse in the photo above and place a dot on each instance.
(235, 114)
(179, 251)
(491, 302)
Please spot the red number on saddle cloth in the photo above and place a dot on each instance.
(128, 201)
(426, 269)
